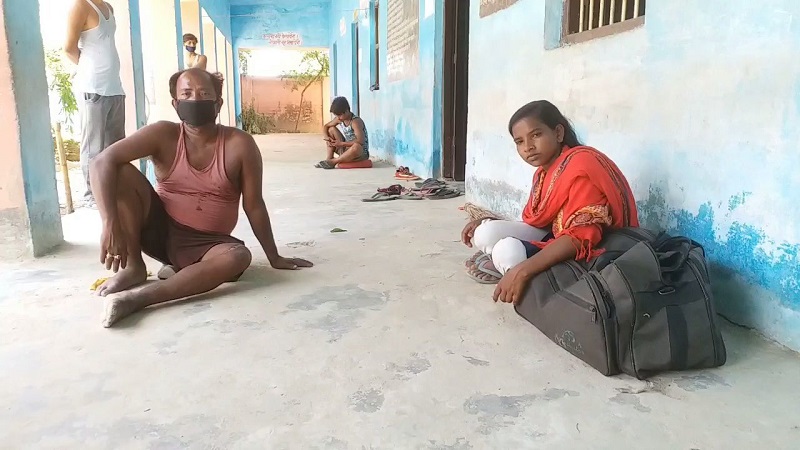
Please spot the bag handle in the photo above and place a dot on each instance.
(673, 252)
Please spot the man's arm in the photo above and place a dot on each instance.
(104, 168)
(202, 62)
(328, 126)
(75, 22)
(252, 199)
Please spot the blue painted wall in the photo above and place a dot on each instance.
(220, 13)
(403, 117)
(251, 20)
(26, 58)
(700, 107)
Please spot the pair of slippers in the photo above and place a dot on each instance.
(404, 173)
(481, 269)
(324, 165)
(397, 192)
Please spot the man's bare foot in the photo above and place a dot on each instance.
(133, 275)
(118, 306)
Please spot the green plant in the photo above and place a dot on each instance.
(244, 59)
(60, 84)
(255, 122)
(314, 66)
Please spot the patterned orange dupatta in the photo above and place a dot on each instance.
(581, 193)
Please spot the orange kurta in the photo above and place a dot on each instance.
(582, 193)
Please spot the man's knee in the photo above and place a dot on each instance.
(240, 258)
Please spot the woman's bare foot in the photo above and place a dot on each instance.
(120, 305)
(133, 275)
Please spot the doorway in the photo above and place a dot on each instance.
(456, 79)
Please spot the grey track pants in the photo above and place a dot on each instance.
(102, 124)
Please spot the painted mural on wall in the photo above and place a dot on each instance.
(402, 26)
(489, 7)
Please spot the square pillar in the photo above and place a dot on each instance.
(30, 221)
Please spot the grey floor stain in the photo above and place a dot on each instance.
(460, 444)
(332, 443)
(191, 431)
(497, 411)
(197, 308)
(475, 361)
(344, 306)
(415, 365)
(301, 244)
(227, 326)
(166, 347)
(630, 400)
(700, 382)
(368, 401)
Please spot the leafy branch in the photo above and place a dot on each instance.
(314, 66)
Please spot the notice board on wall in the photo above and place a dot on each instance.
(489, 7)
(402, 40)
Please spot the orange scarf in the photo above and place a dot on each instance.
(581, 193)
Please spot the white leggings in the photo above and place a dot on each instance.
(501, 239)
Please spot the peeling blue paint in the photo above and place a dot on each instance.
(738, 258)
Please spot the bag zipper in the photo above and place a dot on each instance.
(574, 300)
(601, 290)
(706, 300)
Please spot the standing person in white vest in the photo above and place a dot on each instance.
(90, 44)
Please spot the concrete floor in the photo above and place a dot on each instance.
(384, 344)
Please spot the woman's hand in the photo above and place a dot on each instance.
(469, 231)
(512, 286)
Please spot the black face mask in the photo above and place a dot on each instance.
(197, 113)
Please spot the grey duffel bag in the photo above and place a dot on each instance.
(642, 307)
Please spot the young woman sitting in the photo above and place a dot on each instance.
(578, 193)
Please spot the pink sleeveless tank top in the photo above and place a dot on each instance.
(204, 199)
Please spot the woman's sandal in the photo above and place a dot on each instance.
(475, 259)
(484, 272)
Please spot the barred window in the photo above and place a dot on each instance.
(587, 19)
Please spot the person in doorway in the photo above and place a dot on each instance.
(90, 45)
(346, 136)
(577, 194)
(192, 58)
(203, 170)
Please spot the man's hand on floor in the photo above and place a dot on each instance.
(290, 263)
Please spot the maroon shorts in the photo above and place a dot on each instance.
(171, 243)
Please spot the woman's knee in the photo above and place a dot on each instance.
(508, 253)
(487, 235)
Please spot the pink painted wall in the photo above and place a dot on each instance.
(12, 195)
(272, 96)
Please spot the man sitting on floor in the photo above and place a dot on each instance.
(203, 169)
(346, 136)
